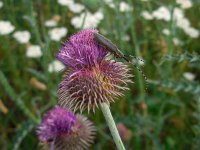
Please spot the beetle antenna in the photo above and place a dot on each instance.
(136, 58)
(144, 76)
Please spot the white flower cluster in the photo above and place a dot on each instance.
(183, 23)
(124, 7)
(166, 31)
(50, 23)
(189, 76)
(1, 4)
(53, 21)
(163, 13)
(56, 34)
(185, 4)
(176, 41)
(110, 3)
(22, 36)
(55, 66)
(147, 15)
(73, 7)
(6, 27)
(88, 20)
(33, 51)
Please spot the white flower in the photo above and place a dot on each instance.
(176, 41)
(22, 36)
(57, 33)
(183, 23)
(192, 32)
(99, 15)
(50, 23)
(124, 7)
(166, 31)
(33, 51)
(65, 2)
(147, 15)
(6, 27)
(162, 13)
(91, 20)
(189, 76)
(76, 8)
(184, 3)
(110, 3)
(1, 4)
(55, 66)
(178, 14)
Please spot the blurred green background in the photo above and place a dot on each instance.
(165, 34)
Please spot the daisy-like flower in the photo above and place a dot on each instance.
(22, 36)
(110, 3)
(90, 20)
(57, 34)
(1, 4)
(147, 15)
(55, 66)
(166, 31)
(90, 79)
(189, 76)
(6, 27)
(178, 14)
(76, 7)
(65, 2)
(176, 41)
(50, 23)
(33, 51)
(185, 4)
(61, 129)
(125, 7)
(162, 13)
(192, 32)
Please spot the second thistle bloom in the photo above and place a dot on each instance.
(90, 79)
(61, 129)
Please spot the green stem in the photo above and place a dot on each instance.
(111, 124)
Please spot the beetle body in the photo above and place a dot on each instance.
(112, 48)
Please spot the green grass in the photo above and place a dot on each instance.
(170, 120)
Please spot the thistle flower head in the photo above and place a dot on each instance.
(81, 137)
(81, 50)
(91, 79)
(56, 122)
(62, 130)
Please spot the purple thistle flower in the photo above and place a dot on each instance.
(60, 129)
(56, 122)
(81, 50)
(81, 137)
(90, 79)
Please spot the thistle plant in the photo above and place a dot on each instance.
(61, 129)
(91, 80)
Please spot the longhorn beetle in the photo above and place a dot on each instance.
(112, 48)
